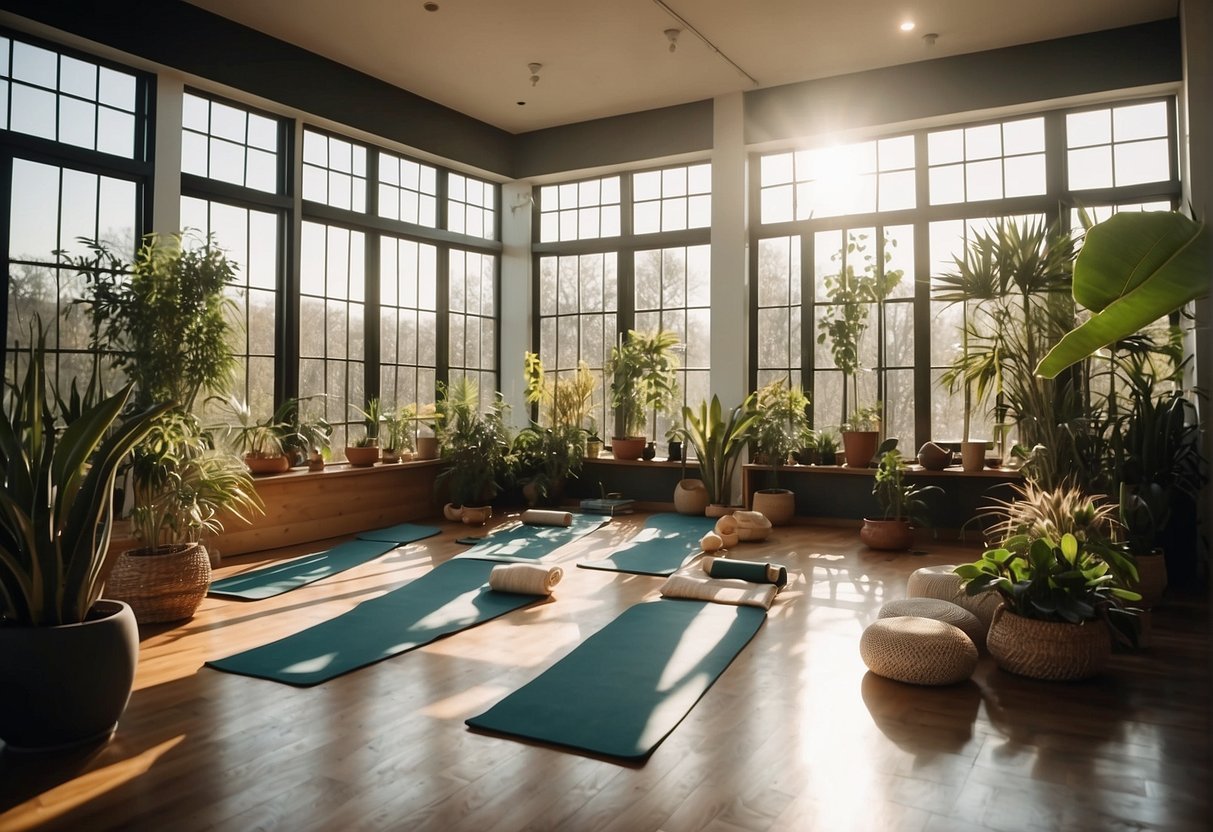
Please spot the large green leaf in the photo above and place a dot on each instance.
(1133, 269)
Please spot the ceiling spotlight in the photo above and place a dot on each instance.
(929, 38)
(430, 7)
(907, 26)
(672, 36)
(534, 68)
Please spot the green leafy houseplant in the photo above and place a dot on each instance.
(548, 452)
(898, 498)
(643, 370)
(56, 506)
(473, 445)
(719, 442)
(780, 422)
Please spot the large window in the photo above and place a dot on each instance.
(907, 205)
(654, 272)
(73, 149)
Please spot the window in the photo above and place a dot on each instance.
(910, 203)
(470, 206)
(228, 143)
(408, 320)
(408, 191)
(673, 199)
(72, 148)
(472, 320)
(583, 210)
(334, 171)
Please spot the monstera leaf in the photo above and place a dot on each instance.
(1133, 269)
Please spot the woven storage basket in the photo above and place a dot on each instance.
(919, 651)
(1051, 650)
(166, 586)
(944, 611)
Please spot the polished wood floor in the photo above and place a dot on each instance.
(794, 736)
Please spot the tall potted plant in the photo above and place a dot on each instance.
(164, 322)
(718, 445)
(474, 447)
(67, 657)
(853, 292)
(780, 422)
(550, 450)
(643, 370)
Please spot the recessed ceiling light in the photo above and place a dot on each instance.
(430, 7)
(907, 26)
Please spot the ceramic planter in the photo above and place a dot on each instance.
(889, 535)
(934, 457)
(68, 685)
(593, 447)
(628, 447)
(859, 446)
(477, 515)
(690, 497)
(362, 457)
(972, 456)
(427, 447)
(267, 464)
(1051, 650)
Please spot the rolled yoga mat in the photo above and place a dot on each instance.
(545, 517)
(525, 578)
(452, 596)
(719, 590)
(625, 688)
(659, 549)
(746, 570)
(524, 542)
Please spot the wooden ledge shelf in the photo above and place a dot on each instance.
(912, 471)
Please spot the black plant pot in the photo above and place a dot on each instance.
(650, 451)
(675, 451)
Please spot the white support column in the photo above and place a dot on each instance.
(514, 315)
(166, 192)
(730, 263)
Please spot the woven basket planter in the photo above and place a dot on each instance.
(1051, 650)
(161, 586)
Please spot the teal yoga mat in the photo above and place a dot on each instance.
(524, 542)
(625, 688)
(660, 548)
(452, 596)
(269, 581)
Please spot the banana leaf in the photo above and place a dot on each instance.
(1133, 269)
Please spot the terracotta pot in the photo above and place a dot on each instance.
(718, 510)
(477, 515)
(690, 497)
(361, 457)
(628, 447)
(68, 685)
(1051, 650)
(972, 456)
(315, 462)
(778, 504)
(452, 512)
(267, 464)
(890, 535)
(859, 446)
(390, 456)
(165, 584)
(427, 447)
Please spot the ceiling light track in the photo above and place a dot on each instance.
(687, 25)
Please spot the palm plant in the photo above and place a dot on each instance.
(718, 442)
(56, 506)
(643, 370)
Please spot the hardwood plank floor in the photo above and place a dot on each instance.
(796, 735)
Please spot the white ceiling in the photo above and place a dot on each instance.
(606, 57)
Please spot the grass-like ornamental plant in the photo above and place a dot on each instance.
(1056, 580)
(719, 442)
(56, 505)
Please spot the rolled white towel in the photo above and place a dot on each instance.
(525, 578)
(542, 517)
(719, 591)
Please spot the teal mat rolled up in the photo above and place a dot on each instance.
(746, 570)
(625, 688)
(453, 596)
(523, 542)
(660, 548)
(269, 581)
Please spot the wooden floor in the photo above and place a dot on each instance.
(794, 736)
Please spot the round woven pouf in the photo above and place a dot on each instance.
(920, 651)
(940, 610)
(941, 582)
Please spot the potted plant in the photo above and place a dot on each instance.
(365, 451)
(550, 450)
(303, 438)
(593, 442)
(474, 448)
(852, 293)
(67, 657)
(1063, 584)
(163, 320)
(827, 447)
(902, 503)
(398, 433)
(259, 443)
(718, 444)
(779, 424)
(643, 370)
